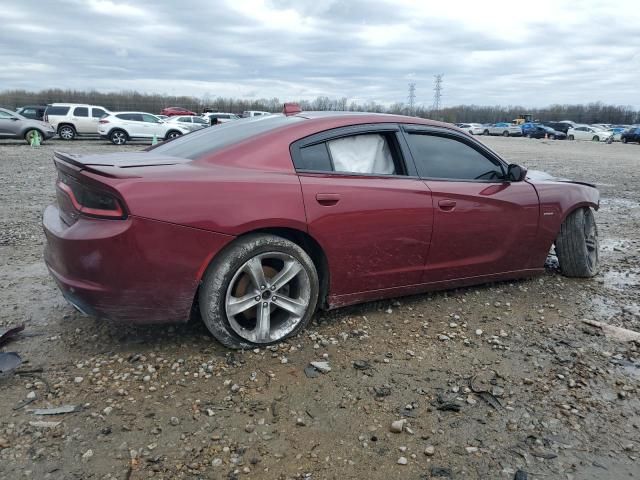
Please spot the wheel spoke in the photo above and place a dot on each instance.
(254, 269)
(263, 325)
(236, 305)
(290, 305)
(288, 273)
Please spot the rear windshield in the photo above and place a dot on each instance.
(209, 140)
(57, 110)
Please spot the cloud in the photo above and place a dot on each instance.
(490, 53)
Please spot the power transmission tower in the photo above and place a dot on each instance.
(437, 92)
(412, 98)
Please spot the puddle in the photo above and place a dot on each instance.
(617, 280)
(602, 309)
(612, 245)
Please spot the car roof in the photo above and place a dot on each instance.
(368, 117)
(143, 113)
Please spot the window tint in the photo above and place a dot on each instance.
(57, 110)
(124, 116)
(81, 112)
(184, 119)
(443, 157)
(97, 112)
(136, 117)
(314, 157)
(150, 118)
(206, 141)
(368, 153)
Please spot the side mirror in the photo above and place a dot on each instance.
(516, 173)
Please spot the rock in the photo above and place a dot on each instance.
(250, 428)
(471, 449)
(78, 380)
(175, 421)
(430, 450)
(87, 455)
(321, 366)
(479, 332)
(4, 443)
(31, 395)
(300, 422)
(443, 338)
(397, 426)
(402, 461)
(216, 462)
(107, 410)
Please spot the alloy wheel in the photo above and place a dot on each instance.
(119, 138)
(268, 297)
(66, 133)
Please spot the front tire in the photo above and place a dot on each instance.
(67, 132)
(595, 138)
(260, 290)
(505, 134)
(577, 244)
(623, 139)
(486, 132)
(28, 136)
(571, 137)
(552, 137)
(118, 137)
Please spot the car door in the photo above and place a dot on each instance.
(96, 114)
(9, 124)
(482, 223)
(152, 126)
(82, 122)
(365, 206)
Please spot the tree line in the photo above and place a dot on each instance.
(595, 112)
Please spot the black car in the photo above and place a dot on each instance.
(542, 131)
(34, 112)
(631, 135)
(558, 126)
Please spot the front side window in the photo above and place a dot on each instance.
(57, 110)
(185, 119)
(81, 112)
(149, 118)
(442, 157)
(5, 114)
(200, 120)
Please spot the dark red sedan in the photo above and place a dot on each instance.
(258, 222)
(173, 111)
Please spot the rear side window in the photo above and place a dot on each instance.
(81, 112)
(97, 112)
(315, 157)
(206, 141)
(368, 153)
(150, 118)
(57, 110)
(124, 116)
(185, 119)
(200, 120)
(440, 157)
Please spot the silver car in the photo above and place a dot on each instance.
(189, 122)
(14, 125)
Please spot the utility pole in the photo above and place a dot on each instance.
(437, 92)
(412, 98)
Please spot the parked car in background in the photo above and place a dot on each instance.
(173, 111)
(14, 125)
(73, 119)
(617, 133)
(220, 117)
(162, 117)
(190, 122)
(558, 126)
(542, 131)
(503, 128)
(587, 132)
(254, 113)
(120, 127)
(254, 239)
(34, 112)
(472, 128)
(630, 135)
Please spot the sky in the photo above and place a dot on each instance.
(530, 53)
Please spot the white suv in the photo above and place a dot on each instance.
(120, 127)
(72, 119)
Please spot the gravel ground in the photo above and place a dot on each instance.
(486, 382)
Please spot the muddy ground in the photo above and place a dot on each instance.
(490, 380)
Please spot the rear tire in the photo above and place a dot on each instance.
(623, 139)
(571, 137)
(552, 137)
(577, 244)
(595, 138)
(505, 134)
(486, 132)
(67, 132)
(231, 283)
(118, 137)
(172, 134)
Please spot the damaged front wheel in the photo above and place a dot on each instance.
(577, 244)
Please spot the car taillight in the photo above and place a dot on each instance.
(103, 121)
(92, 202)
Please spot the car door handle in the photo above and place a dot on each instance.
(327, 199)
(447, 205)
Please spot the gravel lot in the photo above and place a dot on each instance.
(485, 381)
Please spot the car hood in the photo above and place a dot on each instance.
(538, 176)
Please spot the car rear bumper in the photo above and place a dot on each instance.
(135, 270)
